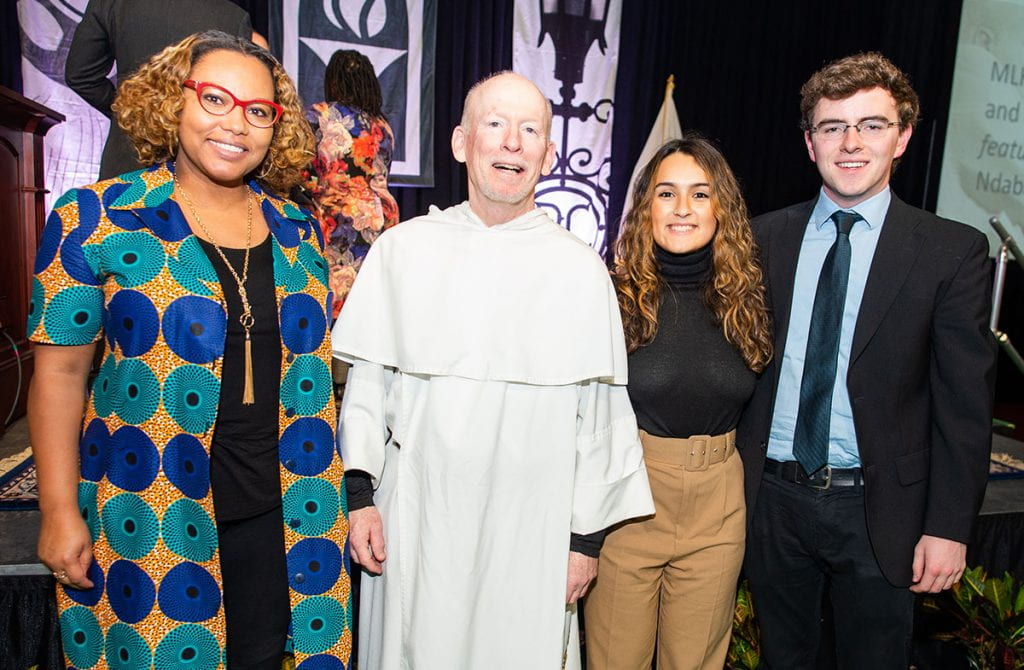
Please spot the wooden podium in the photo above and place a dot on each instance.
(23, 123)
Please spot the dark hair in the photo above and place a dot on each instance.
(735, 294)
(843, 77)
(351, 81)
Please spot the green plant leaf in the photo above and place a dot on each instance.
(998, 592)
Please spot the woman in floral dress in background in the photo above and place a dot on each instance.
(348, 179)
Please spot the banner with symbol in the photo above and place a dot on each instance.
(398, 38)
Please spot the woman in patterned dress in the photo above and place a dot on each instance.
(348, 179)
(194, 516)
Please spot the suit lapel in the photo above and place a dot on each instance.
(898, 247)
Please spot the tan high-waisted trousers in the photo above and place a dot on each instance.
(671, 579)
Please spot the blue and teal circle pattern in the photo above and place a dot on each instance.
(187, 465)
(49, 242)
(285, 231)
(317, 624)
(91, 595)
(192, 269)
(187, 647)
(130, 591)
(188, 593)
(133, 258)
(126, 650)
(132, 322)
(80, 632)
(314, 565)
(311, 506)
(74, 315)
(133, 460)
(188, 531)
(130, 525)
(144, 282)
(303, 325)
(313, 261)
(321, 662)
(92, 451)
(103, 387)
(306, 387)
(137, 391)
(35, 306)
(307, 446)
(194, 328)
(87, 492)
(191, 394)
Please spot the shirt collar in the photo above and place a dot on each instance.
(872, 210)
(151, 186)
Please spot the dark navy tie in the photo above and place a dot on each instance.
(810, 439)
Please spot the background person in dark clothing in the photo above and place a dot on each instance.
(127, 33)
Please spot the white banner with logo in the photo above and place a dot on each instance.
(570, 49)
(398, 37)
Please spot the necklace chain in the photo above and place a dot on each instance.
(245, 318)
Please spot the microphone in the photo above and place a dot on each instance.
(1007, 239)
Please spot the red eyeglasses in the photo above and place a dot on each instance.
(219, 101)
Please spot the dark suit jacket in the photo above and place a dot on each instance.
(128, 32)
(921, 376)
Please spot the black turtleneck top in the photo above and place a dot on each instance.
(689, 380)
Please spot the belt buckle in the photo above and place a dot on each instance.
(699, 458)
(828, 479)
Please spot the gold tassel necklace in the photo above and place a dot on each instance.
(246, 318)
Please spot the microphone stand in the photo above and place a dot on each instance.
(1008, 246)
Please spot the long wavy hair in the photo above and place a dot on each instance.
(149, 103)
(735, 293)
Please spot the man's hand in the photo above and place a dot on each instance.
(366, 538)
(582, 570)
(938, 564)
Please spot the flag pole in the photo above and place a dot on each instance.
(670, 84)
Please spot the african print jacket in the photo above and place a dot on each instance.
(117, 262)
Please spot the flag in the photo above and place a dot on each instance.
(666, 127)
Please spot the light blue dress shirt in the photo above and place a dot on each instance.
(819, 237)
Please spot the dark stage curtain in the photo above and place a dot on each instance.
(28, 621)
(739, 67)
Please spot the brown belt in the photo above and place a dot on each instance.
(694, 453)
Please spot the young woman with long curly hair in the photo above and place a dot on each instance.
(697, 330)
(193, 517)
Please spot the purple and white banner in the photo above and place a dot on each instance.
(570, 49)
(72, 149)
(398, 37)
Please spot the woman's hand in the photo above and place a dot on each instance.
(65, 546)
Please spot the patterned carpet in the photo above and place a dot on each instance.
(18, 489)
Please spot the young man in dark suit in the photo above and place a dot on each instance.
(866, 442)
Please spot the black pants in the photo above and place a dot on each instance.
(255, 579)
(802, 541)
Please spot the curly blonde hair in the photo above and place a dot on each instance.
(149, 103)
(735, 294)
